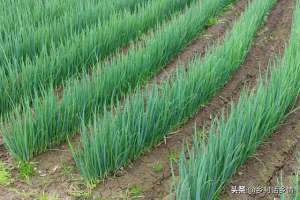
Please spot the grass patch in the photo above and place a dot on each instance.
(173, 157)
(157, 167)
(26, 170)
(5, 176)
(46, 196)
(135, 191)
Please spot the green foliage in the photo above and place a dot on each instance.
(20, 13)
(79, 52)
(45, 196)
(54, 120)
(173, 157)
(296, 188)
(145, 118)
(295, 193)
(157, 167)
(135, 191)
(232, 139)
(82, 191)
(68, 18)
(5, 176)
(26, 170)
(212, 21)
(67, 169)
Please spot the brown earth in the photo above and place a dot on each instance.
(290, 165)
(56, 173)
(275, 157)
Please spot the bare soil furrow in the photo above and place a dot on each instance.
(276, 155)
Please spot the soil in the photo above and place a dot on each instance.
(56, 173)
(275, 157)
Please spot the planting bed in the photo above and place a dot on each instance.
(55, 168)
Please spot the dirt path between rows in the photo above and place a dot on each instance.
(289, 167)
(56, 172)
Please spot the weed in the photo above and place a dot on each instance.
(157, 167)
(211, 21)
(81, 190)
(173, 156)
(45, 196)
(5, 176)
(26, 170)
(67, 169)
(136, 191)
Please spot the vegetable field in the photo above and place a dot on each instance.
(149, 99)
